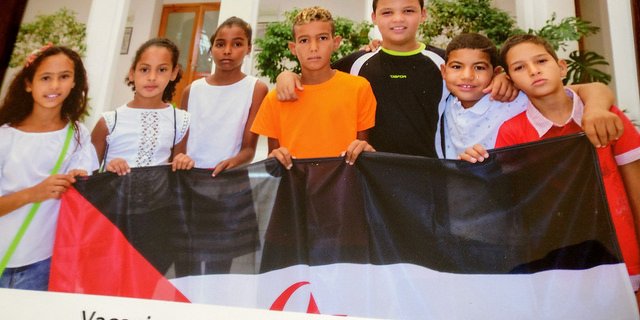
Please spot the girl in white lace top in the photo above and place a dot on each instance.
(148, 130)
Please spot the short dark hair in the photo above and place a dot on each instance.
(375, 4)
(524, 38)
(474, 41)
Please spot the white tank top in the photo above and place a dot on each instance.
(218, 117)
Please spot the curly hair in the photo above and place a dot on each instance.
(311, 14)
(170, 89)
(18, 103)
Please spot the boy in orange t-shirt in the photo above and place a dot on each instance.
(332, 115)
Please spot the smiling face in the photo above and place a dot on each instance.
(229, 48)
(152, 72)
(466, 73)
(52, 82)
(398, 22)
(314, 43)
(534, 70)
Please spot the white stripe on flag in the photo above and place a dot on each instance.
(411, 292)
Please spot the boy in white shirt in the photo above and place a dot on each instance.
(470, 117)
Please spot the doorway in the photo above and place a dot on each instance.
(190, 26)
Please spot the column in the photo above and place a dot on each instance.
(105, 28)
(246, 10)
(623, 60)
(534, 14)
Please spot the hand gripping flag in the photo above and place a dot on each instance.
(524, 235)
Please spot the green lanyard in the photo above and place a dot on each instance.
(34, 208)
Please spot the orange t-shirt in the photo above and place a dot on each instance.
(323, 121)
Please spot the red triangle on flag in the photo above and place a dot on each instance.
(100, 260)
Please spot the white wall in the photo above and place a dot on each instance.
(144, 16)
(248, 11)
(38, 7)
(534, 14)
(623, 59)
(273, 10)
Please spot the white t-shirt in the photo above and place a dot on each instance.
(479, 124)
(27, 158)
(219, 116)
(144, 137)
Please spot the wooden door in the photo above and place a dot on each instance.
(190, 26)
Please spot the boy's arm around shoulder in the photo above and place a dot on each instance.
(599, 124)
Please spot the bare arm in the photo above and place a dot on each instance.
(287, 83)
(501, 88)
(181, 161)
(99, 141)
(249, 139)
(280, 153)
(99, 138)
(356, 147)
(600, 125)
(631, 176)
(184, 102)
(50, 188)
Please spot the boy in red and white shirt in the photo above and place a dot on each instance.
(556, 111)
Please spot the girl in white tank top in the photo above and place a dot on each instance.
(224, 104)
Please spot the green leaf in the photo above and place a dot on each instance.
(59, 28)
(275, 57)
(581, 68)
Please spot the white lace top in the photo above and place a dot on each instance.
(144, 137)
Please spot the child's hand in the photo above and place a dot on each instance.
(283, 155)
(118, 166)
(501, 88)
(354, 149)
(477, 153)
(223, 165)
(51, 188)
(77, 172)
(286, 84)
(601, 127)
(182, 162)
(372, 46)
